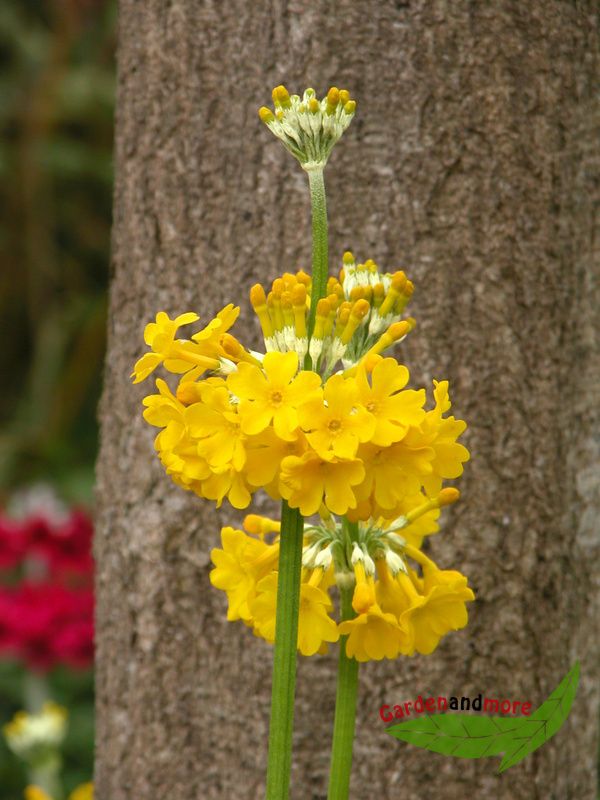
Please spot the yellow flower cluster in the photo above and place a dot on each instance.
(397, 610)
(354, 442)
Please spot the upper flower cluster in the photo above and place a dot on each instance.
(398, 611)
(308, 127)
(356, 443)
(360, 316)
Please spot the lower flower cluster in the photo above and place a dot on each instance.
(400, 609)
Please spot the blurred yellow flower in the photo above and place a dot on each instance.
(84, 791)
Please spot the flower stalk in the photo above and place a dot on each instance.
(345, 701)
(284, 658)
(290, 552)
(320, 264)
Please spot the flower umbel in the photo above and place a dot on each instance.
(351, 438)
(307, 126)
(398, 611)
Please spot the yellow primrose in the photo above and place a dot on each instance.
(216, 424)
(440, 434)
(177, 355)
(423, 525)
(177, 451)
(394, 410)
(391, 474)
(335, 423)
(440, 609)
(227, 482)
(241, 563)
(264, 454)
(309, 480)
(271, 394)
(373, 635)
(315, 626)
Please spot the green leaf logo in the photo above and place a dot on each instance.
(467, 736)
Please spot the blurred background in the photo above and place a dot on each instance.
(56, 112)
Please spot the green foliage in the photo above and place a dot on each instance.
(467, 736)
(56, 117)
(56, 122)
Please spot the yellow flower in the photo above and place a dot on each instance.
(227, 483)
(335, 423)
(422, 526)
(264, 454)
(315, 626)
(309, 480)
(394, 410)
(217, 327)
(179, 355)
(177, 451)
(273, 393)
(35, 793)
(373, 635)
(440, 609)
(391, 474)
(440, 434)
(216, 424)
(241, 563)
(84, 791)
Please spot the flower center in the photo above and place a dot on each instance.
(276, 397)
(334, 425)
(371, 406)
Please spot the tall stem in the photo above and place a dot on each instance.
(320, 263)
(284, 659)
(345, 700)
(290, 551)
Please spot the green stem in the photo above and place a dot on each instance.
(345, 701)
(345, 712)
(35, 692)
(46, 775)
(284, 658)
(320, 263)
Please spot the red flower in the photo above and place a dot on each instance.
(46, 624)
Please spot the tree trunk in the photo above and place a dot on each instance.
(472, 163)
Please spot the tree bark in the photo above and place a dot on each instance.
(473, 163)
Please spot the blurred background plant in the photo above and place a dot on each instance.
(56, 115)
(56, 107)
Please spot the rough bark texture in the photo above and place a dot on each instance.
(473, 162)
